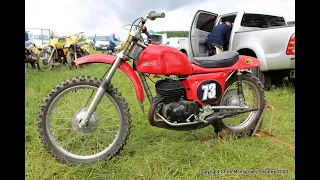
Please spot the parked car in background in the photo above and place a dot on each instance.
(100, 41)
(89, 40)
(180, 43)
(39, 36)
(264, 36)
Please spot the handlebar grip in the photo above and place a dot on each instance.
(153, 15)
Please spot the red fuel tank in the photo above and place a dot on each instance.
(163, 60)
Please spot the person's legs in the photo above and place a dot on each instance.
(218, 49)
(211, 49)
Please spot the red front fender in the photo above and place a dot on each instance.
(124, 66)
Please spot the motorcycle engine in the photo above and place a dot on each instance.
(175, 107)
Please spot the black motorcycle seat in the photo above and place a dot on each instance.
(223, 59)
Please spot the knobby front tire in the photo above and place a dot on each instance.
(74, 150)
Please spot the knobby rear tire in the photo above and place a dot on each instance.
(124, 116)
(248, 128)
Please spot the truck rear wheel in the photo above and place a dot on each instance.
(263, 77)
(184, 52)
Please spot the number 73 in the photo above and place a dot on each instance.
(209, 91)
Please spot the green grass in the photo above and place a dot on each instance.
(153, 153)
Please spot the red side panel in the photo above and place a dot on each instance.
(163, 60)
(244, 62)
(205, 88)
(124, 66)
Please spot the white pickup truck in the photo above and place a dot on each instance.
(264, 36)
(180, 43)
(158, 38)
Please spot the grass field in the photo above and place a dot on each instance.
(153, 153)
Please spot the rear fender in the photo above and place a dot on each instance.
(246, 62)
(124, 66)
(259, 52)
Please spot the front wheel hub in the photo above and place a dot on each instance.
(44, 61)
(92, 124)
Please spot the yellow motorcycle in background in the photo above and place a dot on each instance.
(75, 50)
(30, 54)
(85, 46)
(53, 54)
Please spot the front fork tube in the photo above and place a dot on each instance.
(146, 86)
(52, 52)
(75, 51)
(101, 90)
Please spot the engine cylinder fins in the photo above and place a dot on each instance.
(170, 90)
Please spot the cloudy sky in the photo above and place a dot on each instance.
(105, 16)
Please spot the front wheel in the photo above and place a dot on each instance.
(254, 96)
(44, 61)
(61, 112)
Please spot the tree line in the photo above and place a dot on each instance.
(174, 33)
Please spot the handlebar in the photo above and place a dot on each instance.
(153, 15)
(136, 34)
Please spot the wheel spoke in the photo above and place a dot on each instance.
(253, 93)
(63, 109)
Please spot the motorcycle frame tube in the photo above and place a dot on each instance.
(146, 86)
(52, 52)
(103, 87)
(75, 51)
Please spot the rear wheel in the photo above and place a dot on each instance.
(243, 124)
(61, 112)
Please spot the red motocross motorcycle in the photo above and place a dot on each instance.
(190, 94)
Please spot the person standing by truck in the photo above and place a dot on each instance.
(219, 38)
(112, 40)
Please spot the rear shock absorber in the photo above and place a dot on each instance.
(240, 89)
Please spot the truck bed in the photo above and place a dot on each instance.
(272, 41)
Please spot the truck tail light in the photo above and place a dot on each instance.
(291, 45)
